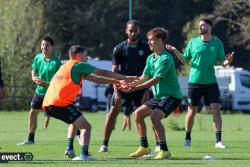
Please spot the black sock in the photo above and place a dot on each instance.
(70, 142)
(188, 135)
(144, 142)
(78, 132)
(31, 137)
(157, 143)
(163, 146)
(84, 150)
(105, 142)
(218, 136)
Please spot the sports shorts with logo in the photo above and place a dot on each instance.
(166, 104)
(67, 114)
(209, 92)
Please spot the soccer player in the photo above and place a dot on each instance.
(129, 58)
(45, 65)
(159, 72)
(65, 86)
(204, 51)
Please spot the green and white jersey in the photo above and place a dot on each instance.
(204, 56)
(81, 69)
(45, 69)
(163, 67)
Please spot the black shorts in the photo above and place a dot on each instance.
(167, 104)
(37, 101)
(67, 114)
(129, 100)
(210, 93)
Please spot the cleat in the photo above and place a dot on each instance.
(26, 142)
(162, 155)
(103, 148)
(70, 153)
(219, 145)
(157, 148)
(140, 152)
(83, 158)
(187, 143)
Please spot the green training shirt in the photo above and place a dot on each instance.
(204, 56)
(163, 67)
(45, 69)
(81, 69)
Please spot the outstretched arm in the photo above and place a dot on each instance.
(143, 85)
(109, 74)
(178, 54)
(102, 80)
(141, 80)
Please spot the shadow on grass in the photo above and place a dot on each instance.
(131, 161)
(116, 161)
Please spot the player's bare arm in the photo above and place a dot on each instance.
(38, 80)
(141, 80)
(178, 54)
(229, 59)
(146, 84)
(101, 80)
(109, 74)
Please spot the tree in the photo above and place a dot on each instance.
(232, 24)
(20, 32)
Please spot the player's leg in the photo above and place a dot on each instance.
(46, 120)
(128, 110)
(36, 105)
(189, 122)
(70, 141)
(109, 127)
(156, 117)
(165, 107)
(85, 127)
(72, 116)
(212, 97)
(194, 96)
(110, 124)
(140, 114)
(157, 140)
(33, 114)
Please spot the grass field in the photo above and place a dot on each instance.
(51, 143)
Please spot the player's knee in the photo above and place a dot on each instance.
(33, 114)
(154, 117)
(215, 109)
(88, 126)
(137, 116)
(191, 113)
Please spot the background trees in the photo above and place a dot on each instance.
(21, 30)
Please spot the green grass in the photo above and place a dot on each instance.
(51, 143)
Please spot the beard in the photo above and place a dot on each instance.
(202, 32)
(134, 38)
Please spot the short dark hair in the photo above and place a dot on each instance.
(133, 21)
(49, 39)
(76, 49)
(159, 32)
(206, 20)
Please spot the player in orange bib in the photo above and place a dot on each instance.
(63, 89)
